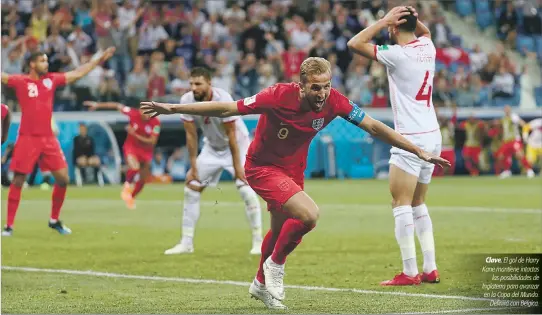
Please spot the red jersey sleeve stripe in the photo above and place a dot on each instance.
(375, 49)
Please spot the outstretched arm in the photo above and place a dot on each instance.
(214, 109)
(381, 131)
(74, 75)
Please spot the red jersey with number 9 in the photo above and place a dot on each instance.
(145, 128)
(36, 100)
(411, 69)
(284, 131)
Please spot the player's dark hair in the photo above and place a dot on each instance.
(410, 24)
(34, 56)
(201, 72)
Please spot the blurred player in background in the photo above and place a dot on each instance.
(36, 141)
(512, 145)
(447, 130)
(291, 115)
(474, 136)
(532, 134)
(6, 120)
(142, 135)
(411, 66)
(225, 147)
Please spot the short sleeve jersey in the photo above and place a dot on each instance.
(284, 131)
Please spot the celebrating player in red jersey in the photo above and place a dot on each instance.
(36, 141)
(292, 114)
(6, 119)
(143, 132)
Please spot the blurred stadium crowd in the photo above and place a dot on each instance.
(253, 44)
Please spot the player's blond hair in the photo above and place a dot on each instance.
(314, 66)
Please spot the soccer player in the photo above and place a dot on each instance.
(36, 141)
(474, 135)
(512, 145)
(225, 147)
(410, 65)
(6, 120)
(143, 132)
(291, 115)
(532, 134)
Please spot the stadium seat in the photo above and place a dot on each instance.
(484, 99)
(464, 7)
(525, 43)
(484, 19)
(538, 96)
(482, 5)
(538, 46)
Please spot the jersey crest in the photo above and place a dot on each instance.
(48, 83)
(317, 123)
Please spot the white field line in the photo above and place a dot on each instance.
(465, 310)
(233, 283)
(342, 206)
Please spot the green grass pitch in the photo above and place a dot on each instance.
(353, 247)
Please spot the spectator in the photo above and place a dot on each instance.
(109, 89)
(157, 83)
(103, 20)
(466, 95)
(478, 59)
(267, 78)
(13, 64)
(440, 31)
(531, 19)
(81, 41)
(503, 83)
(84, 156)
(40, 22)
(213, 29)
(441, 94)
(176, 164)
(158, 164)
(150, 36)
(137, 82)
(506, 25)
(128, 16)
(224, 74)
(247, 79)
(121, 61)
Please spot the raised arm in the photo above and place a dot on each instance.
(214, 109)
(81, 71)
(422, 30)
(360, 44)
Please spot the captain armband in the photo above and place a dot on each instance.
(356, 115)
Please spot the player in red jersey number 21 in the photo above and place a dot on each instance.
(36, 142)
(143, 132)
(291, 115)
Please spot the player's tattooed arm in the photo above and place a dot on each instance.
(192, 143)
(213, 109)
(379, 130)
(74, 75)
(360, 44)
(230, 129)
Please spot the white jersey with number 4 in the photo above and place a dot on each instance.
(410, 75)
(213, 127)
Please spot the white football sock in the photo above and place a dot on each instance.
(424, 230)
(252, 210)
(404, 233)
(190, 215)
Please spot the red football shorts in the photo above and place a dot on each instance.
(31, 149)
(508, 149)
(472, 153)
(272, 184)
(142, 155)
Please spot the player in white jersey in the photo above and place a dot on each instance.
(410, 66)
(226, 141)
(532, 134)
